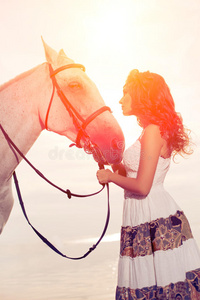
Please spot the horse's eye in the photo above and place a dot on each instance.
(75, 85)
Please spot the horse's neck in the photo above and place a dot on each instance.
(19, 111)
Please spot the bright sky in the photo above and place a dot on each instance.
(110, 37)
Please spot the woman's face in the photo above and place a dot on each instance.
(126, 103)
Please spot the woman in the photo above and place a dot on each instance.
(159, 258)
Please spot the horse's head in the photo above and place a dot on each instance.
(78, 111)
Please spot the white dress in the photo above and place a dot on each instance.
(159, 258)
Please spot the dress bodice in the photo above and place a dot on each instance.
(131, 161)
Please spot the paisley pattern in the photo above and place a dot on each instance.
(161, 234)
(189, 289)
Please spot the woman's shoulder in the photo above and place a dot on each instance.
(152, 131)
(152, 128)
(152, 138)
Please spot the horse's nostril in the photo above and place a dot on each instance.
(114, 144)
(117, 145)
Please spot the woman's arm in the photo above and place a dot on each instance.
(151, 144)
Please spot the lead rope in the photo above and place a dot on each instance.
(69, 194)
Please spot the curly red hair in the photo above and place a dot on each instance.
(153, 104)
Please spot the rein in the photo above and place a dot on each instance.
(69, 194)
(89, 147)
(67, 191)
(47, 242)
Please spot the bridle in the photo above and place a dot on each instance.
(79, 122)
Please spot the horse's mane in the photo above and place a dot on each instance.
(18, 77)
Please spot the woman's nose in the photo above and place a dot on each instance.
(120, 101)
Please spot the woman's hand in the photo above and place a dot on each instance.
(103, 176)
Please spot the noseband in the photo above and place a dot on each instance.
(79, 122)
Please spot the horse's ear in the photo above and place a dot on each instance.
(51, 54)
(54, 58)
(63, 59)
(62, 53)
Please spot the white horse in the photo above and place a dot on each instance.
(25, 108)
